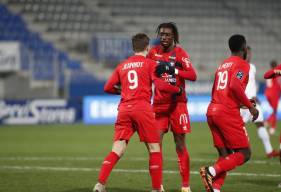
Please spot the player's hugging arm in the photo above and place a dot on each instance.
(112, 86)
(184, 67)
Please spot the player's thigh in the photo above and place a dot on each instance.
(162, 122)
(145, 125)
(233, 130)
(179, 119)
(218, 138)
(123, 126)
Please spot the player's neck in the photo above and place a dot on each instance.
(144, 53)
(238, 54)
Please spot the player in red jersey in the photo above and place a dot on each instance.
(273, 93)
(273, 74)
(135, 76)
(174, 66)
(223, 115)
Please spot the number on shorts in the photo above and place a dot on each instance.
(223, 78)
(133, 79)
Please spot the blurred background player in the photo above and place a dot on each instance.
(174, 66)
(135, 76)
(272, 94)
(251, 93)
(223, 115)
(273, 73)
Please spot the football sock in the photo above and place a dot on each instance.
(184, 166)
(107, 166)
(263, 135)
(216, 190)
(229, 163)
(155, 169)
(219, 179)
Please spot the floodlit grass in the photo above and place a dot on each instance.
(66, 158)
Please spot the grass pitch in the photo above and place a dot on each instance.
(67, 158)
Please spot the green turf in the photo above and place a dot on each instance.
(66, 158)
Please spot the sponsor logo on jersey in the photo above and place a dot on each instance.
(186, 61)
(239, 75)
(157, 55)
(183, 120)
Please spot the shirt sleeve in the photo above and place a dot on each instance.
(187, 71)
(237, 85)
(270, 73)
(159, 83)
(111, 86)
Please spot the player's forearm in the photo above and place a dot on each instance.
(111, 88)
(188, 75)
(165, 87)
(239, 93)
(269, 74)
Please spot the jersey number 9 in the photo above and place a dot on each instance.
(133, 79)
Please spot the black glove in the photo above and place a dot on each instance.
(180, 91)
(164, 67)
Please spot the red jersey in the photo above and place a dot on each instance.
(273, 82)
(185, 71)
(228, 91)
(135, 75)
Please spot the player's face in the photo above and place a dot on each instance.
(166, 37)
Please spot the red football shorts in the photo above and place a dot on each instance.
(175, 118)
(141, 121)
(228, 131)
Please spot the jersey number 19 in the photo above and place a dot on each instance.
(222, 81)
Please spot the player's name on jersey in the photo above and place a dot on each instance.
(132, 65)
(225, 65)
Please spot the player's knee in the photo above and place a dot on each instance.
(153, 147)
(119, 147)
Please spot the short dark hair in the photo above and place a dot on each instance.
(173, 27)
(236, 43)
(140, 41)
(273, 63)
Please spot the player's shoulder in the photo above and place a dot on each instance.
(179, 49)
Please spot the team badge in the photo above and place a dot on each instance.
(239, 75)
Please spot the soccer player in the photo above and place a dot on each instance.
(133, 80)
(251, 93)
(174, 66)
(223, 115)
(273, 73)
(273, 93)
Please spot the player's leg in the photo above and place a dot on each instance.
(109, 162)
(180, 125)
(147, 132)
(264, 136)
(272, 119)
(122, 134)
(155, 165)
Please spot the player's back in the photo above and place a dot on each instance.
(136, 75)
(223, 99)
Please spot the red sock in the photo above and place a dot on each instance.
(229, 163)
(107, 166)
(155, 169)
(184, 167)
(219, 179)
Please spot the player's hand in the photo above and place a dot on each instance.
(253, 101)
(180, 91)
(277, 71)
(164, 67)
(118, 88)
(254, 112)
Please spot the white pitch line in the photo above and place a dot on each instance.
(85, 169)
(125, 159)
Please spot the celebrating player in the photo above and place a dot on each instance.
(133, 80)
(251, 93)
(223, 115)
(273, 93)
(174, 66)
(273, 73)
